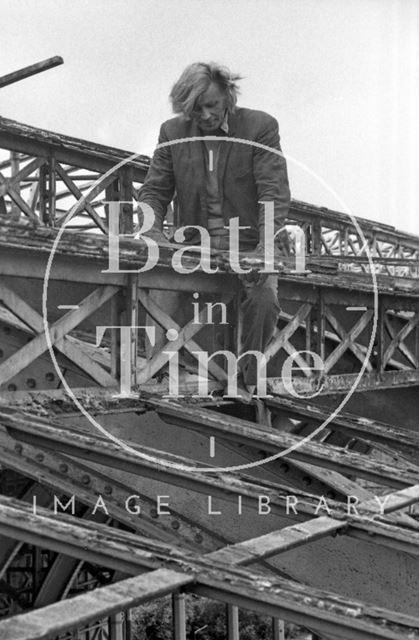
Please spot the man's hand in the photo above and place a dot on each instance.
(260, 255)
(155, 234)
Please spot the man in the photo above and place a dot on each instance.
(216, 181)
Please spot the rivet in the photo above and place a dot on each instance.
(63, 467)
(39, 457)
(153, 513)
(198, 538)
(50, 376)
(18, 448)
(12, 387)
(85, 478)
(307, 481)
(284, 467)
(31, 382)
(6, 329)
(107, 489)
(175, 524)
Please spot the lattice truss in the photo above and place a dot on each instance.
(43, 186)
(340, 337)
(45, 191)
(389, 254)
(210, 565)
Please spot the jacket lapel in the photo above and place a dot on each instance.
(196, 155)
(225, 149)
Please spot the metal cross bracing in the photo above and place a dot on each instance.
(28, 583)
(184, 486)
(331, 314)
(328, 311)
(169, 569)
(65, 475)
(46, 173)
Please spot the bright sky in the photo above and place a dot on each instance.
(341, 77)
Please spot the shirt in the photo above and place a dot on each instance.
(219, 235)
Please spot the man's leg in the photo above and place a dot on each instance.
(260, 311)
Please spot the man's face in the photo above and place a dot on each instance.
(210, 108)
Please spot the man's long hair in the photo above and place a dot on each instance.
(196, 79)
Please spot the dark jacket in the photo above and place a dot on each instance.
(247, 174)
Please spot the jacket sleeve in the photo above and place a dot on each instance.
(159, 185)
(270, 174)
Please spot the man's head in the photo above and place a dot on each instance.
(204, 92)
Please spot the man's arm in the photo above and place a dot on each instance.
(270, 175)
(159, 186)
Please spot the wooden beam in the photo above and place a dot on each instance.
(26, 72)
(279, 541)
(394, 501)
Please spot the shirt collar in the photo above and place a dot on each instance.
(224, 124)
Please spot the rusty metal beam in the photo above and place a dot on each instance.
(226, 486)
(266, 439)
(273, 596)
(349, 423)
(73, 151)
(31, 70)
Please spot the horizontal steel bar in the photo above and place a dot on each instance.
(225, 486)
(276, 596)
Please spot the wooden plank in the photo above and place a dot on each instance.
(36, 347)
(279, 541)
(31, 70)
(394, 501)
